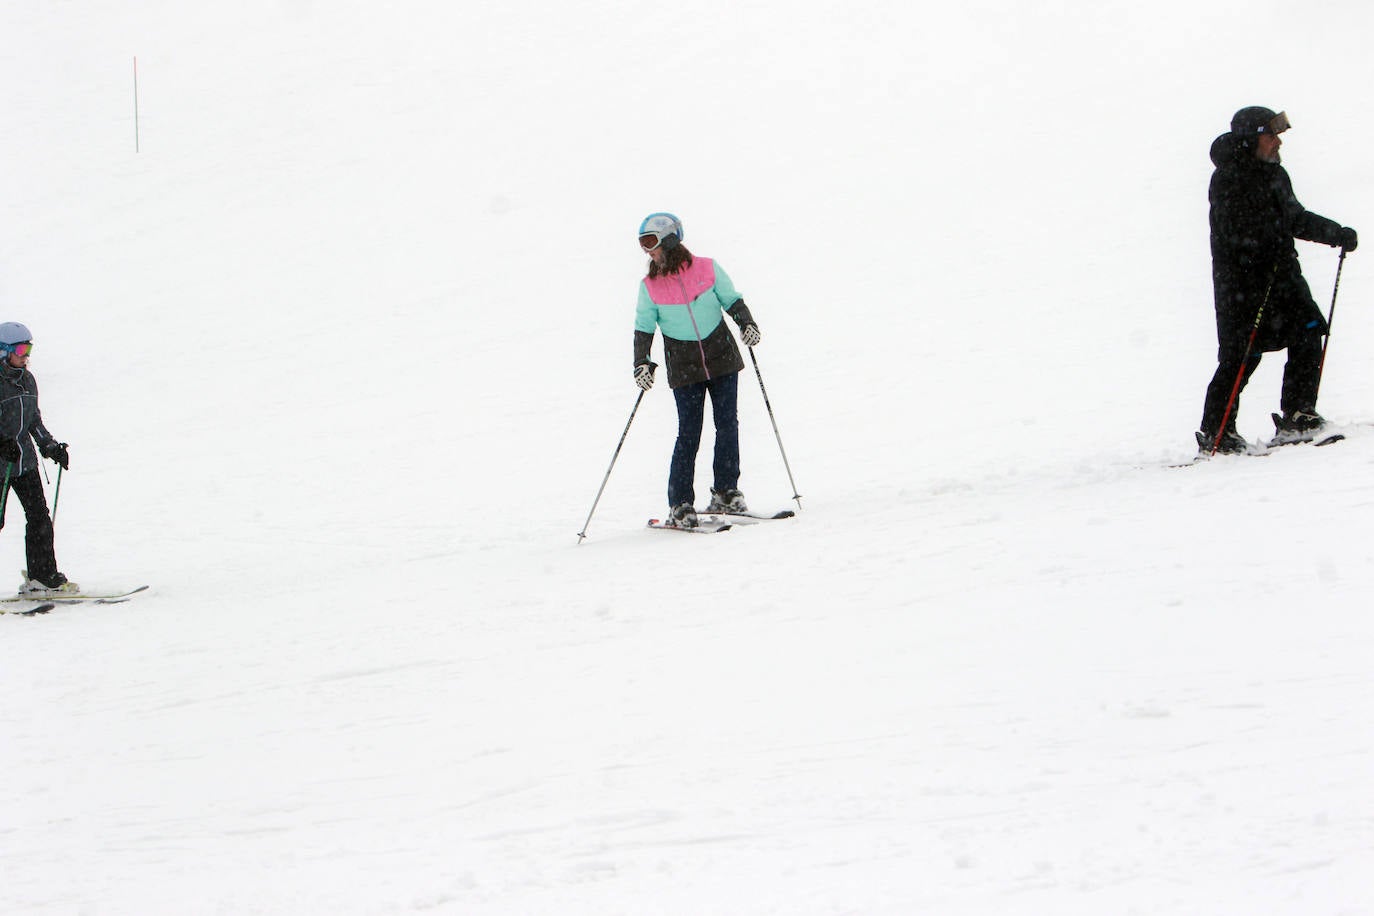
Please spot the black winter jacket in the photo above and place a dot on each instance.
(19, 416)
(1254, 219)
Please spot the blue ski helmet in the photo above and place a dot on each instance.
(11, 333)
(657, 229)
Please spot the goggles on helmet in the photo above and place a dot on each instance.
(1277, 124)
(22, 349)
(657, 227)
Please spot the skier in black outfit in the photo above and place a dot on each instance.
(1255, 218)
(21, 428)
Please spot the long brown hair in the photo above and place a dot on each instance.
(674, 259)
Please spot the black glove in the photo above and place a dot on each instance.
(1349, 240)
(644, 374)
(57, 451)
(750, 335)
(9, 450)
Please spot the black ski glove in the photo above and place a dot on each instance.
(9, 451)
(644, 374)
(1349, 240)
(57, 451)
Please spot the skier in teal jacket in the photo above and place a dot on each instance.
(686, 297)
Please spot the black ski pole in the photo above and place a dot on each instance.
(1331, 317)
(776, 434)
(5, 492)
(1249, 344)
(56, 495)
(583, 533)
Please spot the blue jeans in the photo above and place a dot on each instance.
(691, 409)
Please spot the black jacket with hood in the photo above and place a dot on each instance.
(20, 419)
(1254, 219)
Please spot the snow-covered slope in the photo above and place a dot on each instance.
(343, 353)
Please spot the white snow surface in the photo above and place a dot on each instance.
(343, 353)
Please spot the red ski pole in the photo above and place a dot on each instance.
(1240, 375)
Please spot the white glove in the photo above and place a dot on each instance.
(644, 375)
(750, 335)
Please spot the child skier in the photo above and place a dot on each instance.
(21, 428)
(685, 297)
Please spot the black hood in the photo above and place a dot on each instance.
(1229, 148)
(1233, 150)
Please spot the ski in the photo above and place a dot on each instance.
(78, 597)
(1300, 437)
(744, 518)
(1262, 449)
(759, 516)
(1315, 441)
(707, 528)
(30, 612)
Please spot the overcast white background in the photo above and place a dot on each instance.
(343, 353)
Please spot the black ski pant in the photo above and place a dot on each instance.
(1301, 375)
(38, 534)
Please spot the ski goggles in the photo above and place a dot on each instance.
(1277, 124)
(22, 349)
(650, 241)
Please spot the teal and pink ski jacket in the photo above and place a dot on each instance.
(688, 307)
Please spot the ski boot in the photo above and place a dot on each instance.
(1232, 443)
(1296, 426)
(56, 584)
(727, 502)
(683, 516)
